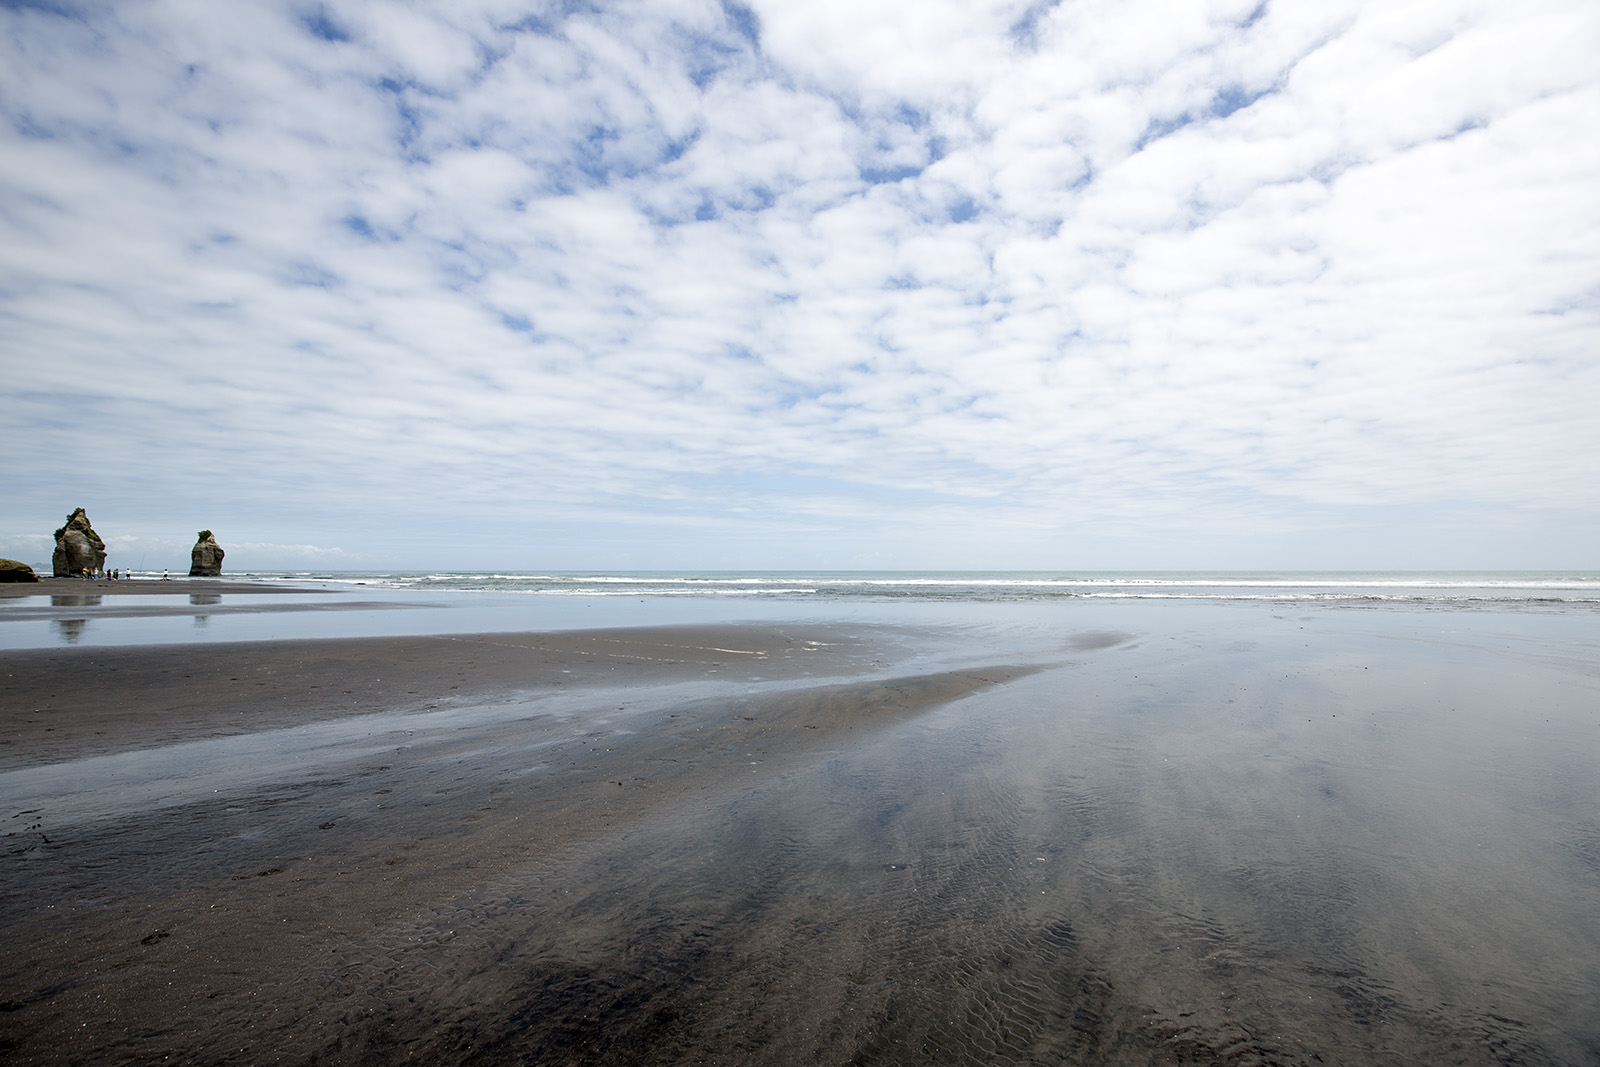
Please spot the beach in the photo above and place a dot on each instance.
(1153, 832)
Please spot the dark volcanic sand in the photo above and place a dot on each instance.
(1163, 836)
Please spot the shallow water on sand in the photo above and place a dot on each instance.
(1315, 842)
(1222, 836)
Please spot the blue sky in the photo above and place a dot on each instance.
(973, 285)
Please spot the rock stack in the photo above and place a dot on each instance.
(205, 559)
(78, 548)
(14, 571)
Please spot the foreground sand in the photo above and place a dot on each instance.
(132, 929)
(1084, 834)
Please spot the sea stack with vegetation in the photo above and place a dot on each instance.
(205, 559)
(78, 548)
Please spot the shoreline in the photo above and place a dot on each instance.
(146, 586)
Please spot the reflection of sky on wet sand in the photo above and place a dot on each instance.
(1364, 834)
(138, 620)
(100, 788)
(1255, 835)
(1246, 826)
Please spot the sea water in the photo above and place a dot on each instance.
(396, 603)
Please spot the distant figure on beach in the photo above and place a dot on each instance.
(164, 577)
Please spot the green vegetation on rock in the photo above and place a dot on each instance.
(79, 520)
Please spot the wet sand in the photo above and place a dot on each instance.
(170, 868)
(140, 586)
(1145, 836)
(77, 703)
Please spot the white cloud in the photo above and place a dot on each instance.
(1028, 270)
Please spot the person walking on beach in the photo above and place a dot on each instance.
(164, 577)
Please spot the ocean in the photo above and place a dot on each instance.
(1443, 588)
(316, 604)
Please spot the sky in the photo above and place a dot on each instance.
(1098, 284)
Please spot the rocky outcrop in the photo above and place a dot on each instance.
(12, 571)
(205, 558)
(78, 548)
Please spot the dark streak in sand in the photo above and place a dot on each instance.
(80, 702)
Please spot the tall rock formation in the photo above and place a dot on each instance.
(205, 558)
(78, 548)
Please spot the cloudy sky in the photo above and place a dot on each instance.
(844, 283)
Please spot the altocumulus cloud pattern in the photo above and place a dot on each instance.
(1132, 283)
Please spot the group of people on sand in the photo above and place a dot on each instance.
(115, 574)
